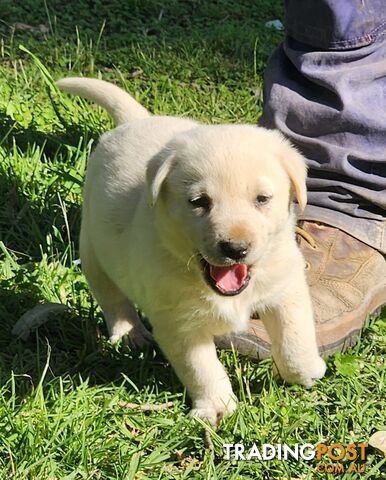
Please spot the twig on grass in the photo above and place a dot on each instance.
(146, 407)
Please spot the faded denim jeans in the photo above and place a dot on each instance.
(325, 89)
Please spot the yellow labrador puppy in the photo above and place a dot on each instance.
(194, 224)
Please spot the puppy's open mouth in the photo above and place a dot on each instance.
(226, 280)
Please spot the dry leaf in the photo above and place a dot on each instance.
(41, 28)
(36, 317)
(180, 455)
(378, 441)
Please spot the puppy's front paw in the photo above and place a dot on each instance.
(305, 373)
(314, 371)
(207, 413)
(214, 409)
(136, 337)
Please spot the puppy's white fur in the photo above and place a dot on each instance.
(141, 240)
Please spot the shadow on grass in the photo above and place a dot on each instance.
(24, 222)
(74, 345)
(77, 341)
(103, 32)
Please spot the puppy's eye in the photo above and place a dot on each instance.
(203, 201)
(262, 199)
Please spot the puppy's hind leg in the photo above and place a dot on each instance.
(120, 314)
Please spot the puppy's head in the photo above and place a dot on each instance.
(222, 194)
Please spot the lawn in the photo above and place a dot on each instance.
(61, 415)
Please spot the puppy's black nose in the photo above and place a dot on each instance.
(234, 250)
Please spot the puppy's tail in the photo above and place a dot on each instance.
(120, 105)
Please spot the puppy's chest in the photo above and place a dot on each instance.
(188, 306)
(217, 316)
(229, 315)
(233, 314)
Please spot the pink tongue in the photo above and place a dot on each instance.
(229, 279)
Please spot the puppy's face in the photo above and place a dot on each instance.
(226, 192)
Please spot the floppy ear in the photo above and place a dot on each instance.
(156, 172)
(295, 166)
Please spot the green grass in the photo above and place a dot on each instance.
(59, 412)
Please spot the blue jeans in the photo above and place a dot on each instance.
(325, 89)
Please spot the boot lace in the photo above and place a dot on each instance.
(307, 236)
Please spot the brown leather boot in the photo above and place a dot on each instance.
(347, 280)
